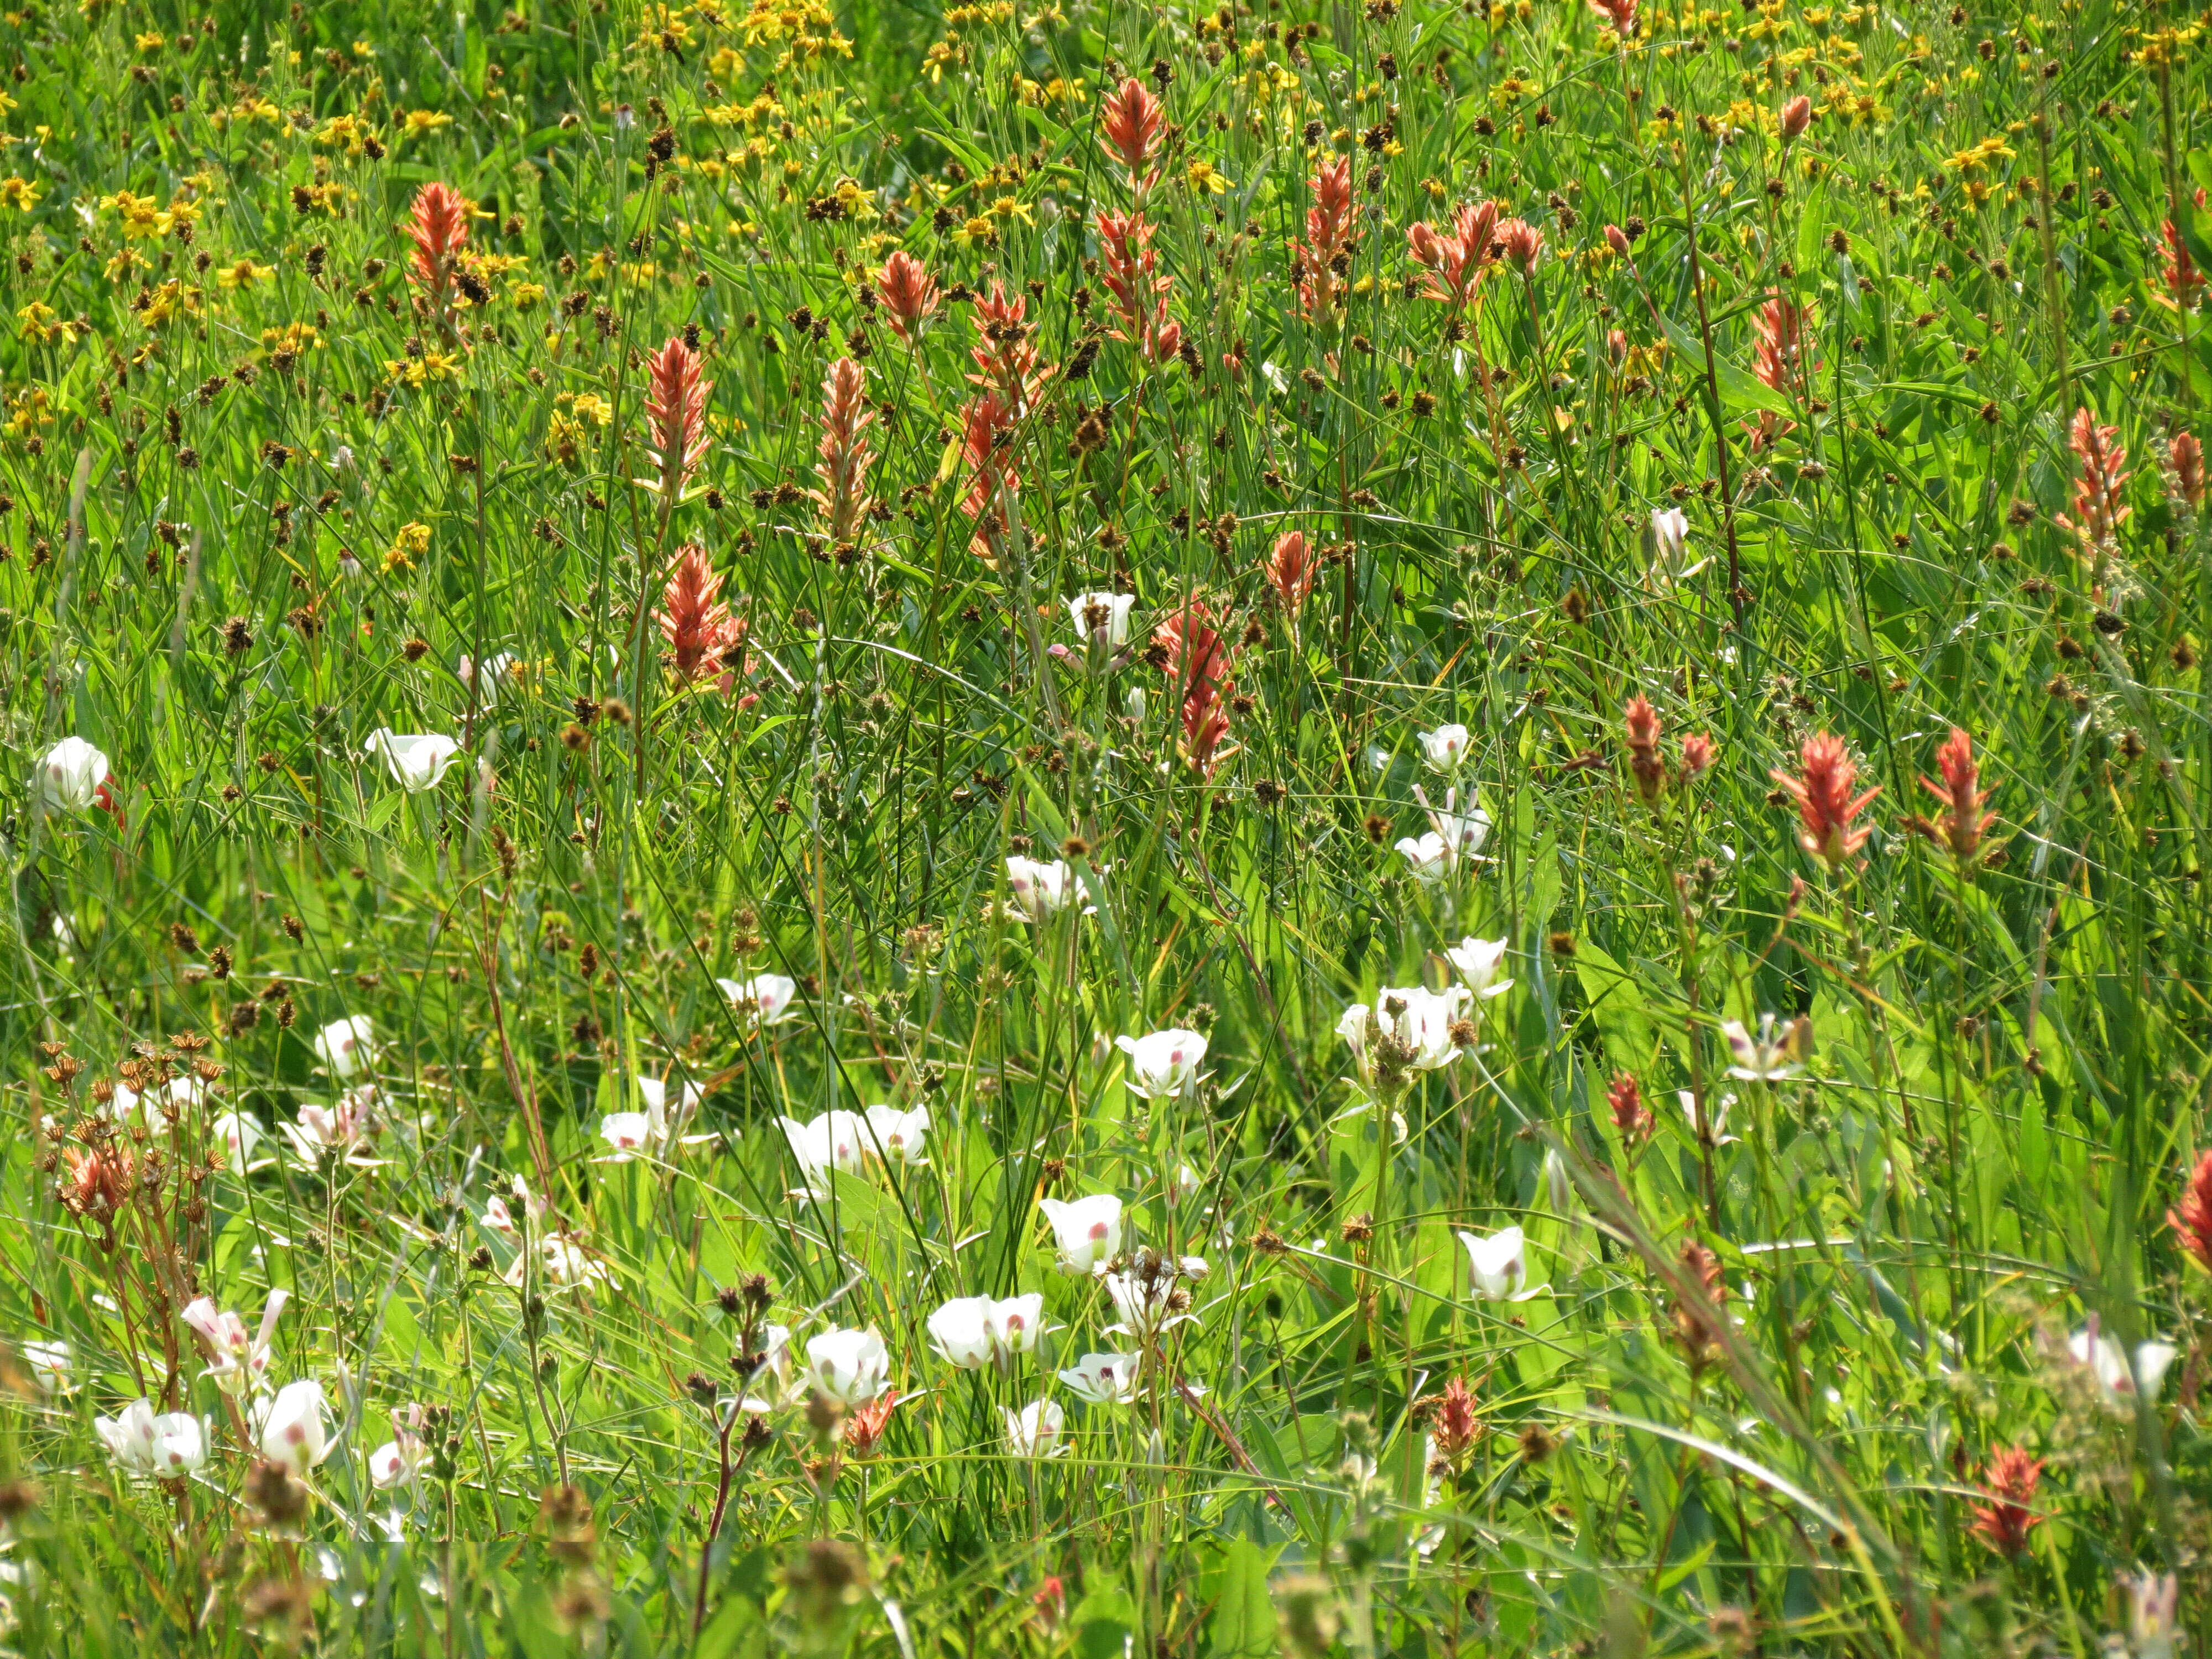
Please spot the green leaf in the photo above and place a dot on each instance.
(1243, 1622)
(1616, 1002)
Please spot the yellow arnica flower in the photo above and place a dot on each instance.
(422, 371)
(412, 542)
(244, 274)
(427, 120)
(41, 324)
(19, 193)
(172, 299)
(1204, 177)
(138, 214)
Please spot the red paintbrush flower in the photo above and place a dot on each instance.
(1964, 823)
(676, 415)
(845, 453)
(1457, 1427)
(694, 620)
(1291, 568)
(1643, 762)
(1630, 1115)
(1329, 239)
(1129, 124)
(908, 293)
(439, 228)
(2189, 469)
(1697, 756)
(1698, 1316)
(1825, 805)
(96, 1183)
(1456, 261)
(1520, 242)
(2009, 1479)
(987, 452)
(1008, 355)
(1205, 722)
(1193, 653)
(864, 1429)
(2183, 284)
(1621, 13)
(2098, 512)
(1779, 329)
(1127, 268)
(2192, 1219)
(1049, 1605)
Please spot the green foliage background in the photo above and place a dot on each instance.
(2006, 1089)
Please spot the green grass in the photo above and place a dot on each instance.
(265, 495)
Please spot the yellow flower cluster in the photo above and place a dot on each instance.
(429, 367)
(41, 324)
(759, 112)
(412, 542)
(2163, 48)
(1977, 158)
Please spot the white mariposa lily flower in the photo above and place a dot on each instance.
(1038, 891)
(1446, 747)
(347, 1046)
(1163, 1064)
(238, 1358)
(2110, 1364)
(2154, 1605)
(1422, 1020)
(960, 1331)
(1499, 1262)
(652, 1131)
(342, 1129)
(1417, 1018)
(168, 1446)
(1147, 1301)
(772, 1373)
(1667, 542)
(1106, 615)
(1038, 1430)
(1763, 1059)
(416, 760)
(1088, 1231)
(1714, 1128)
(498, 670)
(852, 1367)
(48, 1364)
(764, 999)
(293, 1427)
(895, 1133)
(71, 774)
(402, 1458)
(240, 1134)
(1461, 833)
(1428, 857)
(1015, 1323)
(834, 1140)
(1104, 1379)
(1477, 962)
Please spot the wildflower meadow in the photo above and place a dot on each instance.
(1105, 832)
